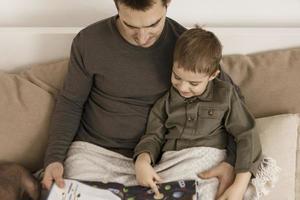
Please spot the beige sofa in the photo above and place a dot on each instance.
(269, 81)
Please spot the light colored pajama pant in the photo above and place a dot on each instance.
(89, 162)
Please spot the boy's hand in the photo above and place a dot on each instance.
(225, 174)
(145, 174)
(53, 171)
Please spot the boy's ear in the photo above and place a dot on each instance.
(214, 75)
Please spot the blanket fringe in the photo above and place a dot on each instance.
(266, 178)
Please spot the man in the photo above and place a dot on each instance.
(118, 68)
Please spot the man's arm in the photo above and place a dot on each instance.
(70, 101)
(67, 114)
(238, 188)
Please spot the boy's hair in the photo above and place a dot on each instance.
(142, 5)
(16, 183)
(199, 51)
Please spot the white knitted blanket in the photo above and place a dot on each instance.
(89, 162)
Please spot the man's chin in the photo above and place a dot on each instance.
(147, 44)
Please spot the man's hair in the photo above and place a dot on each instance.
(198, 50)
(142, 5)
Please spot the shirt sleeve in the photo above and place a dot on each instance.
(240, 123)
(231, 145)
(69, 106)
(154, 137)
(225, 77)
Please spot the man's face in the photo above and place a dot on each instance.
(189, 83)
(141, 28)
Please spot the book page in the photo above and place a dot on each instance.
(89, 190)
(75, 190)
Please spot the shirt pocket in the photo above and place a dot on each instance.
(210, 119)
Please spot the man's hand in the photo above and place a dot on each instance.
(145, 174)
(53, 171)
(232, 193)
(225, 174)
(237, 190)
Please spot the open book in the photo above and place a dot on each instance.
(75, 190)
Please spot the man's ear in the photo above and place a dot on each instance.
(168, 3)
(116, 4)
(214, 75)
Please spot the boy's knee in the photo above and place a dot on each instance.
(17, 183)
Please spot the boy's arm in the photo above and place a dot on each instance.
(225, 77)
(230, 150)
(240, 123)
(231, 145)
(153, 139)
(145, 174)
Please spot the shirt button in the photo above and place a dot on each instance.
(210, 112)
(190, 118)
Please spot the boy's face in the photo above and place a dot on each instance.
(141, 28)
(189, 83)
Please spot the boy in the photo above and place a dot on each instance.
(17, 183)
(198, 111)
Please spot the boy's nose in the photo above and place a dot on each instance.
(183, 87)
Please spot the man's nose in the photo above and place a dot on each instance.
(142, 36)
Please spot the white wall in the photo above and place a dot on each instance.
(35, 31)
(71, 13)
(237, 12)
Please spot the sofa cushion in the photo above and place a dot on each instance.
(268, 80)
(26, 104)
(278, 136)
(49, 77)
(298, 166)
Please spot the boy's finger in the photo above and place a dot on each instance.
(154, 188)
(157, 178)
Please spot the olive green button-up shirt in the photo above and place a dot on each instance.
(176, 123)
